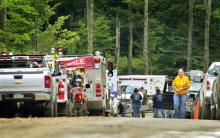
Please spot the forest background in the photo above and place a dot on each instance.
(35, 26)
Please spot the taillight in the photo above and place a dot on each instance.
(61, 90)
(47, 81)
(98, 90)
(97, 60)
(208, 85)
(78, 97)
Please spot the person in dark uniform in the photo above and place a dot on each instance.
(158, 104)
(136, 102)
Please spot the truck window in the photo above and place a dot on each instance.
(21, 64)
(212, 71)
(129, 89)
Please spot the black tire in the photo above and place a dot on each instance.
(192, 115)
(205, 111)
(69, 109)
(49, 110)
(85, 112)
(78, 112)
(143, 114)
(217, 113)
(101, 112)
(213, 113)
(55, 109)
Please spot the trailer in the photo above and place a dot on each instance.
(127, 83)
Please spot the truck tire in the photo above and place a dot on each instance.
(213, 113)
(143, 114)
(69, 109)
(85, 112)
(49, 110)
(205, 111)
(55, 110)
(217, 113)
(213, 109)
(100, 112)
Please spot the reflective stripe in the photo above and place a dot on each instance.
(61, 89)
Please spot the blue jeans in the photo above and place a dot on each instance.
(136, 108)
(159, 113)
(179, 105)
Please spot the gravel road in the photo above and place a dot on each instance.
(107, 127)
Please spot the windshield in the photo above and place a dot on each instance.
(127, 89)
(215, 69)
(195, 86)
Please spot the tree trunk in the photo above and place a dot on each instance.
(130, 39)
(117, 45)
(145, 51)
(3, 20)
(206, 43)
(90, 19)
(2, 15)
(189, 51)
(36, 27)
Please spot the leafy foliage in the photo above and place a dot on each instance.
(34, 26)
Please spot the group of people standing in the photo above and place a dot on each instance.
(180, 85)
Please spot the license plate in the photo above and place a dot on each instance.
(18, 96)
(18, 82)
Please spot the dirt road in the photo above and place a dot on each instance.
(106, 127)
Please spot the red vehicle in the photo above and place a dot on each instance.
(76, 93)
(80, 102)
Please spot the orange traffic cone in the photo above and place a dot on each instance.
(196, 113)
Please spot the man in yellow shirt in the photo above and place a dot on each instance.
(181, 85)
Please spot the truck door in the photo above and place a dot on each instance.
(89, 81)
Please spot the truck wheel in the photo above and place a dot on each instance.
(85, 112)
(78, 112)
(192, 115)
(49, 110)
(217, 113)
(205, 111)
(143, 114)
(55, 109)
(213, 113)
(69, 109)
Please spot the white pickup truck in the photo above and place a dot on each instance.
(26, 85)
